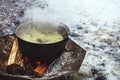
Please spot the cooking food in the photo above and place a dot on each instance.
(33, 35)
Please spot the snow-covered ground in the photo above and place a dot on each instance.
(97, 22)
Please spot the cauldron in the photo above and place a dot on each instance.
(45, 53)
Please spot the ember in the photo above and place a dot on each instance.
(40, 69)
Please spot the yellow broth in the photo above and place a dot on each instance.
(33, 35)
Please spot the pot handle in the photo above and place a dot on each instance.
(67, 29)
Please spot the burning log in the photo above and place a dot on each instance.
(15, 69)
(5, 48)
(15, 55)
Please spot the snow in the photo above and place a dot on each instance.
(100, 22)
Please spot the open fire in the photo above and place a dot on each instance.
(17, 58)
(68, 62)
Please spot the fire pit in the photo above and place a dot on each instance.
(17, 66)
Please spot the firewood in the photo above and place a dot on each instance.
(15, 55)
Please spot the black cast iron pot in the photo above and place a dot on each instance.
(44, 53)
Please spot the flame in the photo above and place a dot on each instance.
(38, 62)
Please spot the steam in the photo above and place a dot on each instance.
(73, 11)
(55, 11)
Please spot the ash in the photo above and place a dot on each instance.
(10, 13)
(69, 61)
(59, 65)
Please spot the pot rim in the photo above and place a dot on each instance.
(60, 24)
